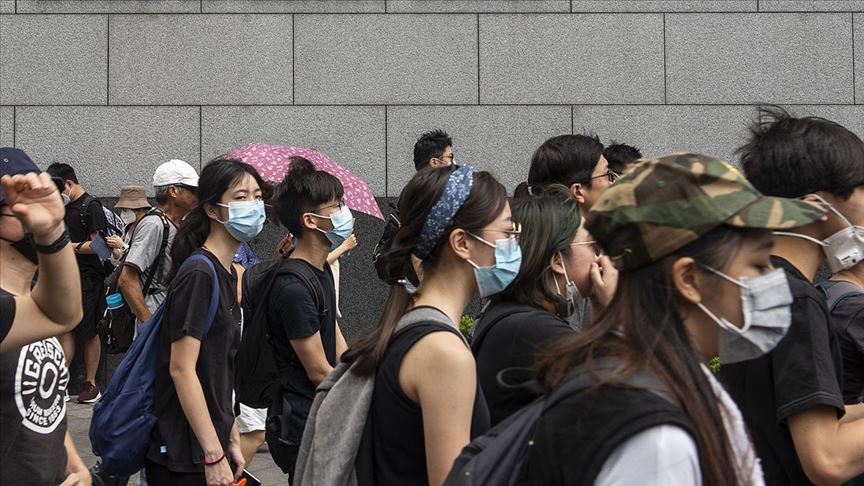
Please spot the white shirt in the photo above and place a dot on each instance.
(662, 455)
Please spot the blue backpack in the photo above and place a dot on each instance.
(124, 417)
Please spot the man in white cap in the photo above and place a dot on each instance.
(149, 259)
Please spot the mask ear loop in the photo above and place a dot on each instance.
(832, 209)
(724, 276)
(799, 235)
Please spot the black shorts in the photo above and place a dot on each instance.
(93, 301)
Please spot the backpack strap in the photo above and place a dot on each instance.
(156, 267)
(425, 315)
(298, 268)
(837, 290)
(582, 378)
(158, 408)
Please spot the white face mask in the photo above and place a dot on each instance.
(128, 216)
(575, 309)
(766, 302)
(844, 249)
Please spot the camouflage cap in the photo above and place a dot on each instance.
(663, 204)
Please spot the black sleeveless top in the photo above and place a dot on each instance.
(398, 445)
(575, 437)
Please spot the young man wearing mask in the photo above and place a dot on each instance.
(305, 334)
(86, 222)
(34, 444)
(176, 186)
(791, 398)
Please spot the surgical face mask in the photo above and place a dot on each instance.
(245, 219)
(128, 216)
(508, 259)
(575, 309)
(343, 226)
(844, 249)
(766, 303)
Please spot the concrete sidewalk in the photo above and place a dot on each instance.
(79, 426)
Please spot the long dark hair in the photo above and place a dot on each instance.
(216, 178)
(484, 204)
(642, 327)
(549, 221)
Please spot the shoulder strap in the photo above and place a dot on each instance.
(424, 315)
(837, 290)
(581, 379)
(494, 318)
(299, 269)
(85, 210)
(160, 257)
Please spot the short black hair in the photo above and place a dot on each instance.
(620, 155)
(792, 157)
(565, 160)
(301, 191)
(63, 171)
(430, 145)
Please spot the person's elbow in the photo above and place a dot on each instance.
(70, 320)
(318, 374)
(826, 469)
(180, 370)
(125, 281)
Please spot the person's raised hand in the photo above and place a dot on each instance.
(114, 241)
(35, 201)
(604, 276)
(350, 243)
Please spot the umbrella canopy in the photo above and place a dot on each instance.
(272, 161)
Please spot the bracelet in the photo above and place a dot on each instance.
(217, 461)
(55, 247)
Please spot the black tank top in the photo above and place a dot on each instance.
(399, 449)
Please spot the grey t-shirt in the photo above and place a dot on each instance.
(143, 251)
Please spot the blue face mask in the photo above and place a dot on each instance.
(508, 259)
(343, 226)
(245, 219)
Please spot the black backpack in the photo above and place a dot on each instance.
(497, 458)
(256, 372)
(390, 229)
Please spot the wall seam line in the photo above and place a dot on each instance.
(14, 122)
(572, 121)
(107, 60)
(478, 58)
(386, 156)
(293, 59)
(200, 138)
(854, 81)
(665, 75)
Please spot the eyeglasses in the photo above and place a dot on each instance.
(191, 189)
(610, 175)
(340, 205)
(514, 231)
(445, 158)
(593, 244)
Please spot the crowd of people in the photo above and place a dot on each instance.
(677, 321)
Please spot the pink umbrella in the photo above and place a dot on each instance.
(271, 161)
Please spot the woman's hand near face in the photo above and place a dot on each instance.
(604, 276)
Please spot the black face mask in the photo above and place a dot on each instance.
(25, 247)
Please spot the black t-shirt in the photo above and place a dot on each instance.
(801, 373)
(7, 313)
(174, 444)
(847, 319)
(33, 381)
(293, 314)
(83, 220)
(512, 341)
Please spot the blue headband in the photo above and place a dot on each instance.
(455, 194)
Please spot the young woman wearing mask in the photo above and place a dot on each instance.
(195, 440)
(427, 404)
(691, 238)
(558, 258)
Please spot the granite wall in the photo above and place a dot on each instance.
(116, 87)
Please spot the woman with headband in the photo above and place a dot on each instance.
(426, 404)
